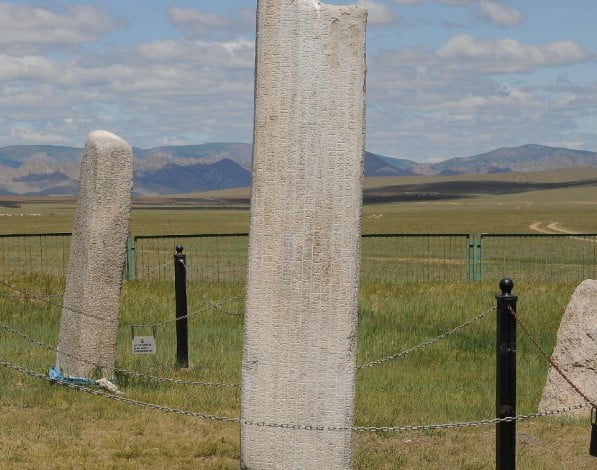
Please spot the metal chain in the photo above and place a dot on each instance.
(303, 427)
(140, 375)
(166, 322)
(549, 359)
(469, 424)
(429, 342)
(28, 295)
(212, 305)
(220, 310)
(117, 397)
(216, 307)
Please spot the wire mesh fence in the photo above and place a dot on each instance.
(211, 257)
(387, 258)
(34, 253)
(541, 257)
(414, 257)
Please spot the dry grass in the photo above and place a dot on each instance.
(47, 426)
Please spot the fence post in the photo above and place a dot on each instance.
(469, 268)
(129, 266)
(480, 255)
(473, 258)
(180, 285)
(505, 403)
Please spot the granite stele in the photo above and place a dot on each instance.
(575, 353)
(90, 312)
(303, 275)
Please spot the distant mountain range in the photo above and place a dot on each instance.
(43, 170)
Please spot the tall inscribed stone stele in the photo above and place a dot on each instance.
(304, 245)
(89, 324)
(575, 352)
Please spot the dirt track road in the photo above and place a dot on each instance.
(551, 227)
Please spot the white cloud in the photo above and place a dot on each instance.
(499, 14)
(236, 53)
(182, 91)
(379, 13)
(454, 2)
(509, 55)
(200, 88)
(203, 24)
(27, 69)
(450, 98)
(24, 29)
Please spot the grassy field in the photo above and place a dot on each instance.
(450, 381)
(49, 426)
(509, 202)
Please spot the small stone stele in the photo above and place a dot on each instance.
(89, 323)
(575, 352)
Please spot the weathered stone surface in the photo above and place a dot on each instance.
(89, 323)
(302, 285)
(575, 352)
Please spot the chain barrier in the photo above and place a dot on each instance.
(217, 307)
(428, 342)
(139, 375)
(304, 427)
(214, 306)
(471, 424)
(28, 295)
(119, 398)
(589, 402)
(196, 312)
(548, 358)
(220, 310)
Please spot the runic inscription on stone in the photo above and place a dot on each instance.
(90, 311)
(303, 275)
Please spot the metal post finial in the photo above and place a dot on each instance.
(506, 286)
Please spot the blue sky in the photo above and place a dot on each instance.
(446, 78)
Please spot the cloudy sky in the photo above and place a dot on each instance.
(446, 78)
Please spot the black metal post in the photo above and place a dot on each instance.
(180, 285)
(505, 402)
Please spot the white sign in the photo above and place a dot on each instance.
(144, 345)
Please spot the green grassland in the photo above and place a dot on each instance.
(453, 380)
(508, 202)
(48, 426)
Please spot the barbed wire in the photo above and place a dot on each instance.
(139, 375)
(428, 342)
(304, 427)
(549, 359)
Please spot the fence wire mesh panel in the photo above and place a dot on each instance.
(414, 257)
(45, 253)
(563, 257)
(384, 257)
(217, 257)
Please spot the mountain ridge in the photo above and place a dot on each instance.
(44, 170)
